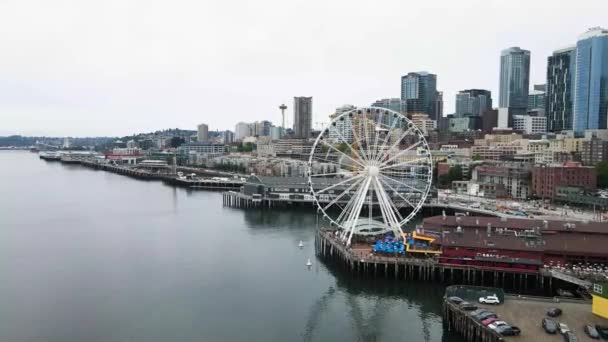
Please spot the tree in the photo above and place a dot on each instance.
(342, 147)
(177, 142)
(476, 157)
(602, 174)
(454, 174)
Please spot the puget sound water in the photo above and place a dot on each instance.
(92, 256)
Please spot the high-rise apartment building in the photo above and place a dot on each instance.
(419, 91)
(591, 81)
(559, 93)
(302, 117)
(473, 102)
(203, 133)
(242, 130)
(514, 79)
(227, 137)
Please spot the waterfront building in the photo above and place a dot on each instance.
(591, 85)
(514, 79)
(203, 133)
(473, 102)
(547, 178)
(302, 117)
(241, 131)
(594, 151)
(419, 91)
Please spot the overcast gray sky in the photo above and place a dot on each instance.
(115, 67)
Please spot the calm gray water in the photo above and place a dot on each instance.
(91, 256)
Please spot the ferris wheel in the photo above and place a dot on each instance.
(370, 172)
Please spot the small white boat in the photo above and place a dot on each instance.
(309, 263)
(301, 244)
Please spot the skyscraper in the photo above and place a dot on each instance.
(439, 106)
(591, 81)
(203, 133)
(560, 89)
(473, 102)
(514, 79)
(302, 116)
(419, 91)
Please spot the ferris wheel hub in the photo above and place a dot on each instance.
(372, 170)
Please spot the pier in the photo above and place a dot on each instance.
(360, 260)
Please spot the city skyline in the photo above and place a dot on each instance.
(103, 70)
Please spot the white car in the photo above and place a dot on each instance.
(496, 324)
(563, 328)
(489, 300)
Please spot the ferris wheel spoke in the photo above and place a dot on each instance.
(385, 203)
(344, 154)
(367, 139)
(338, 164)
(339, 183)
(401, 152)
(376, 135)
(391, 179)
(346, 142)
(408, 162)
(357, 210)
(337, 198)
(399, 194)
(356, 138)
(378, 156)
(396, 143)
(391, 202)
(328, 174)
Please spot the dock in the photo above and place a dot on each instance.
(359, 260)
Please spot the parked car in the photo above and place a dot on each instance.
(455, 300)
(466, 306)
(489, 300)
(602, 330)
(485, 315)
(497, 324)
(489, 321)
(477, 312)
(554, 312)
(570, 337)
(549, 325)
(591, 331)
(506, 330)
(563, 328)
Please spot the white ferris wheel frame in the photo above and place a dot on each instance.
(372, 175)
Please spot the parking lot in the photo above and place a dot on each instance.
(528, 313)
